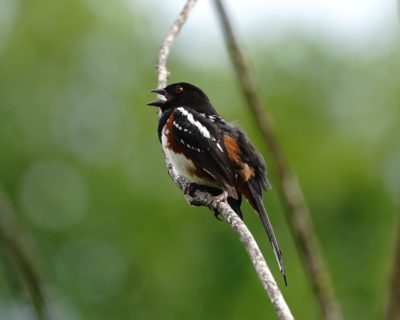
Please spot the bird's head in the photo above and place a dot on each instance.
(183, 94)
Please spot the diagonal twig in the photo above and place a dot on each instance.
(392, 311)
(16, 255)
(161, 66)
(291, 194)
(202, 198)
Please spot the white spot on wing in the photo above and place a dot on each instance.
(176, 125)
(190, 147)
(219, 147)
(203, 130)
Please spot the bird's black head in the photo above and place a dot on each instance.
(183, 94)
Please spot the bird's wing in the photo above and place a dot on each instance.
(248, 154)
(202, 142)
(253, 184)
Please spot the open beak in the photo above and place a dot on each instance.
(160, 102)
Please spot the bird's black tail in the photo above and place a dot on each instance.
(259, 206)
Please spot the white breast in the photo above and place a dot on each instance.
(181, 164)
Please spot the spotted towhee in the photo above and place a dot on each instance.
(209, 151)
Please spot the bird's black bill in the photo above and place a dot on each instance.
(158, 103)
(161, 91)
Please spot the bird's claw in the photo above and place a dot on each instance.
(217, 215)
(190, 189)
(217, 200)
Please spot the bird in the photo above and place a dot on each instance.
(208, 151)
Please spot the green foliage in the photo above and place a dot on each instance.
(111, 235)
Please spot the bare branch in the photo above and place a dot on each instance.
(392, 311)
(289, 188)
(20, 261)
(202, 198)
(268, 281)
(162, 72)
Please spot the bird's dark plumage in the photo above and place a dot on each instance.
(209, 151)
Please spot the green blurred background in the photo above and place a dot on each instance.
(84, 189)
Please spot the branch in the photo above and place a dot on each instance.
(289, 188)
(203, 198)
(263, 272)
(392, 311)
(17, 256)
(161, 66)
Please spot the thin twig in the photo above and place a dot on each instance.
(291, 194)
(17, 256)
(258, 261)
(161, 66)
(392, 311)
(202, 198)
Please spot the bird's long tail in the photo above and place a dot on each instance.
(259, 206)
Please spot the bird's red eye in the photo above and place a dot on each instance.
(178, 89)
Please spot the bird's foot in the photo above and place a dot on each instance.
(216, 197)
(189, 192)
(190, 189)
(216, 201)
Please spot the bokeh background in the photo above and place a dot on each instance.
(84, 189)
